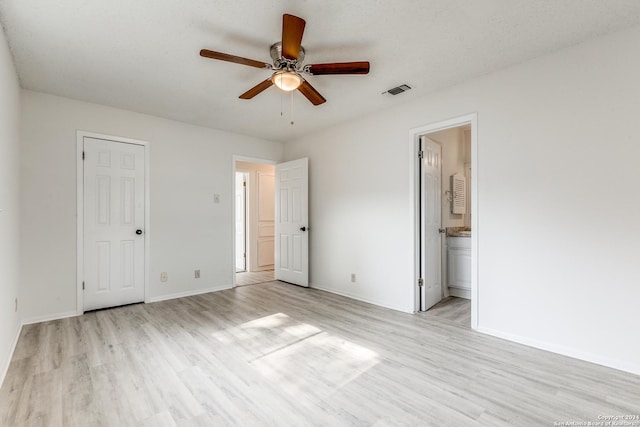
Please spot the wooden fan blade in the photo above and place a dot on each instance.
(361, 67)
(257, 89)
(292, 31)
(232, 58)
(311, 94)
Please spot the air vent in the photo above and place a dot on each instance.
(398, 89)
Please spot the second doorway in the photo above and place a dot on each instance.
(254, 222)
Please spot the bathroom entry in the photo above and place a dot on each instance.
(254, 222)
(445, 218)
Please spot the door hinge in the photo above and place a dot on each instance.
(83, 155)
(244, 183)
(83, 286)
(420, 282)
(421, 154)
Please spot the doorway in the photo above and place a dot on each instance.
(254, 221)
(113, 211)
(444, 205)
(276, 204)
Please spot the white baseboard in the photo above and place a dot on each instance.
(64, 315)
(633, 368)
(460, 293)
(49, 317)
(355, 297)
(188, 293)
(5, 367)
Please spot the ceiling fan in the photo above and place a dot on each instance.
(287, 65)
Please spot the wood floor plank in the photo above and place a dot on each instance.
(280, 355)
(246, 278)
(457, 310)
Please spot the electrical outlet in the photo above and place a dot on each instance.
(16, 305)
(353, 277)
(164, 277)
(196, 273)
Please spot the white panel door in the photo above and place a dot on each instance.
(114, 203)
(292, 239)
(430, 224)
(241, 224)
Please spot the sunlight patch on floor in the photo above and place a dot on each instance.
(304, 358)
(298, 356)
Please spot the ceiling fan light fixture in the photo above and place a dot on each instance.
(288, 57)
(286, 80)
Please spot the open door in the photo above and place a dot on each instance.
(430, 223)
(291, 227)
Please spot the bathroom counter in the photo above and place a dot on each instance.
(458, 232)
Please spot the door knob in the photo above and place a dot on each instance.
(442, 230)
(138, 232)
(303, 228)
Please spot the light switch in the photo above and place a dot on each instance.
(216, 198)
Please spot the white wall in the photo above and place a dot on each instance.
(188, 165)
(466, 141)
(9, 203)
(558, 211)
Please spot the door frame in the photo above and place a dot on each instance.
(245, 220)
(414, 204)
(240, 158)
(80, 135)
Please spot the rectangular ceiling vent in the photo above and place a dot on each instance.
(398, 89)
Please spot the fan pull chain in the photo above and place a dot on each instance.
(292, 107)
(281, 103)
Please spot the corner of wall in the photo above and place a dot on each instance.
(10, 110)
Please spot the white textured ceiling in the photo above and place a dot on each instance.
(142, 55)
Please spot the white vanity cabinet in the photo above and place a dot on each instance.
(459, 266)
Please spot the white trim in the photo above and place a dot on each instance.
(50, 317)
(5, 368)
(80, 135)
(460, 293)
(414, 200)
(147, 220)
(79, 222)
(240, 158)
(188, 294)
(357, 298)
(633, 368)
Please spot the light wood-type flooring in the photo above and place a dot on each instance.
(454, 309)
(281, 355)
(254, 277)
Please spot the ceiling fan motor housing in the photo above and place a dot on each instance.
(282, 63)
